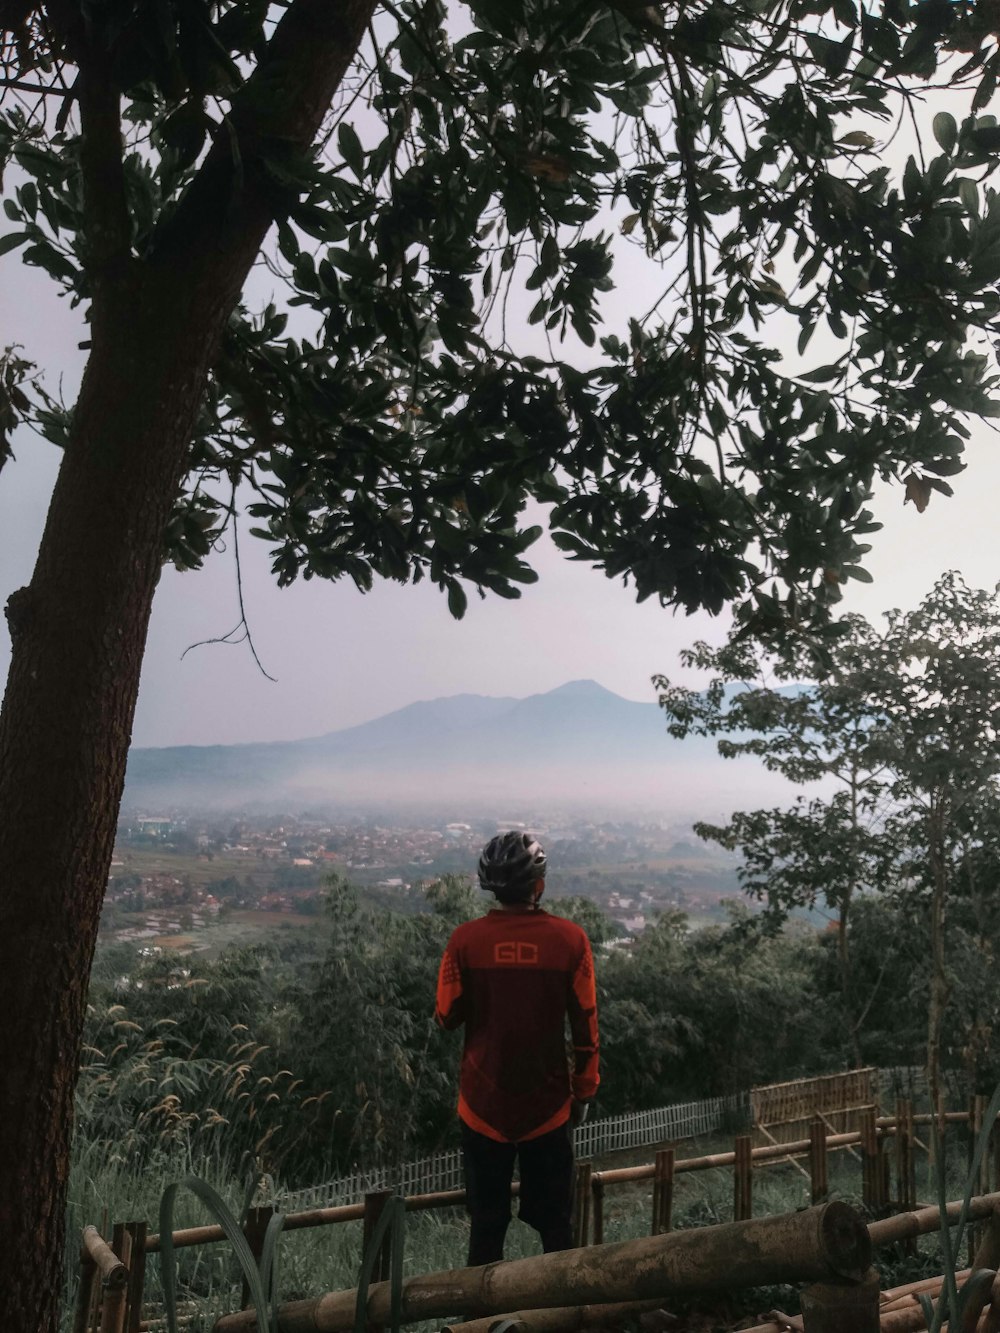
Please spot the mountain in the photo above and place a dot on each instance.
(578, 744)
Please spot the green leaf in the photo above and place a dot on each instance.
(350, 149)
(822, 374)
(945, 129)
(12, 240)
(457, 600)
(968, 193)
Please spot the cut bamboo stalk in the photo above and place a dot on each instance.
(560, 1319)
(826, 1243)
(112, 1271)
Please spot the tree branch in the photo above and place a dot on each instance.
(108, 227)
(277, 113)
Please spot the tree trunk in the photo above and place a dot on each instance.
(851, 1022)
(939, 987)
(78, 631)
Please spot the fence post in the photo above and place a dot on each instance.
(597, 1203)
(818, 1173)
(829, 1307)
(375, 1203)
(86, 1294)
(870, 1167)
(743, 1179)
(906, 1165)
(254, 1228)
(136, 1273)
(978, 1113)
(663, 1191)
(581, 1205)
(115, 1295)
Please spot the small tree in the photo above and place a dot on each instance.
(823, 849)
(906, 722)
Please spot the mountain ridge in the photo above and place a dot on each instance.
(579, 741)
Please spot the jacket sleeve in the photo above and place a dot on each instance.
(450, 1008)
(583, 1027)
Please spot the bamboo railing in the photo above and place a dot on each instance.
(871, 1141)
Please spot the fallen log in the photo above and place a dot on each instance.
(829, 1242)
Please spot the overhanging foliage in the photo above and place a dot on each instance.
(729, 166)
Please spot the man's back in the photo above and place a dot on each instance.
(513, 977)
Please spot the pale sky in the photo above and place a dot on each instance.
(342, 658)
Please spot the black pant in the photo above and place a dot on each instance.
(546, 1198)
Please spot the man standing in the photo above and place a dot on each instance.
(513, 977)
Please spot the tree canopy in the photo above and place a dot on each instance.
(725, 168)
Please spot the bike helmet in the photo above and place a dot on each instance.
(511, 865)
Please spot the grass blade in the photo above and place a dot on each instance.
(216, 1206)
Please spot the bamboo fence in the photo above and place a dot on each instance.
(112, 1276)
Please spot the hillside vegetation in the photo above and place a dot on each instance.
(307, 1052)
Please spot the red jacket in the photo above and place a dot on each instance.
(513, 978)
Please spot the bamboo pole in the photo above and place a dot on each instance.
(988, 1251)
(112, 1271)
(742, 1179)
(663, 1191)
(114, 1278)
(903, 1321)
(869, 1159)
(817, 1244)
(924, 1220)
(560, 1318)
(905, 1297)
(85, 1293)
(990, 1322)
(581, 1204)
(771, 1139)
(136, 1274)
(768, 1153)
(818, 1166)
(597, 1205)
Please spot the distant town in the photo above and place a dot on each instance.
(177, 877)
